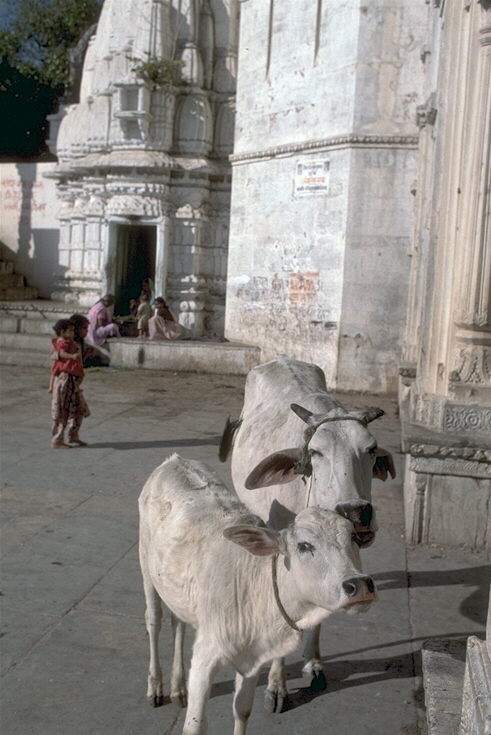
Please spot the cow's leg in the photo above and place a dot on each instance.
(204, 665)
(276, 693)
(313, 667)
(178, 691)
(153, 618)
(244, 696)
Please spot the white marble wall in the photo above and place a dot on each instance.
(323, 274)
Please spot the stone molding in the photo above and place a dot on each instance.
(434, 459)
(453, 467)
(476, 454)
(340, 141)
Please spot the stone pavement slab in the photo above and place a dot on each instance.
(74, 645)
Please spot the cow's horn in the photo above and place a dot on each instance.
(302, 413)
(369, 415)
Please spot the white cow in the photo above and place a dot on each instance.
(313, 453)
(246, 608)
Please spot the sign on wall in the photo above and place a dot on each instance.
(311, 177)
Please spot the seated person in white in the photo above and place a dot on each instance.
(163, 325)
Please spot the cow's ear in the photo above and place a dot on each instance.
(302, 413)
(276, 469)
(369, 415)
(383, 464)
(256, 540)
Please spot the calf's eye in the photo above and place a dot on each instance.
(303, 546)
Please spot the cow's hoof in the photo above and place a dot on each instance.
(274, 702)
(180, 699)
(318, 683)
(156, 700)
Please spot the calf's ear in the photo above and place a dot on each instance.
(255, 539)
(383, 464)
(276, 469)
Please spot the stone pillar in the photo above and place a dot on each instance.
(447, 417)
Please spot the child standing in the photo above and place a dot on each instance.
(68, 406)
(143, 315)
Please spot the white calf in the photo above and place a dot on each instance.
(246, 608)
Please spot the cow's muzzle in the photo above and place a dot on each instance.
(361, 517)
(359, 593)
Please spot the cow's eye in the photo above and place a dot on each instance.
(303, 546)
(315, 453)
(372, 451)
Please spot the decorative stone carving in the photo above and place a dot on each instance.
(460, 419)
(474, 366)
(134, 206)
(426, 410)
(443, 451)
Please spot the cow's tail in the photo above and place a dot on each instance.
(227, 440)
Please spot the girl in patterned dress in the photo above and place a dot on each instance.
(68, 406)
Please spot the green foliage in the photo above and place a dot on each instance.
(35, 38)
(37, 34)
(159, 71)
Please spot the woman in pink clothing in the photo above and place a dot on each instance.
(101, 326)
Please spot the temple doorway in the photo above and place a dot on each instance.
(135, 260)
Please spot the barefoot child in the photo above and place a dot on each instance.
(143, 314)
(68, 405)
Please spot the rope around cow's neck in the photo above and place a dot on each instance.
(308, 434)
(291, 623)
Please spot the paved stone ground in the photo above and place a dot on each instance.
(74, 647)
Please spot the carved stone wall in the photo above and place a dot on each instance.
(141, 150)
(446, 404)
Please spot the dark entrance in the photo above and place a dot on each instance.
(135, 260)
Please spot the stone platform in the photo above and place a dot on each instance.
(26, 329)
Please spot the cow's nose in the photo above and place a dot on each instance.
(357, 585)
(361, 514)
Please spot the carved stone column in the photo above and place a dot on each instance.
(447, 419)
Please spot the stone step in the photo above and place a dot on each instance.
(39, 309)
(12, 280)
(23, 341)
(6, 268)
(26, 358)
(24, 325)
(26, 293)
(184, 356)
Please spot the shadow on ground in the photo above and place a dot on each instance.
(168, 444)
(473, 607)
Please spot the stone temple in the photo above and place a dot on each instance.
(143, 174)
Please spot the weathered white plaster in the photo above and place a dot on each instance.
(29, 229)
(348, 98)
